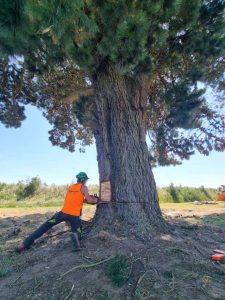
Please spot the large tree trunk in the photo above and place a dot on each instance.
(123, 156)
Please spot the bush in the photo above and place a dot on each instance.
(180, 194)
(206, 192)
(30, 189)
(2, 186)
(19, 190)
(164, 195)
(173, 192)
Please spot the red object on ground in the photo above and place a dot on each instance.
(218, 257)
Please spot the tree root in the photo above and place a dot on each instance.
(70, 293)
(86, 266)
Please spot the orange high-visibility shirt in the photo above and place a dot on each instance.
(74, 200)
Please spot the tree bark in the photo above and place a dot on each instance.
(123, 156)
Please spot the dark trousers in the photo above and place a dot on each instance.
(59, 217)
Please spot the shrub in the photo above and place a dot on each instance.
(19, 190)
(173, 192)
(2, 186)
(181, 194)
(30, 189)
(205, 192)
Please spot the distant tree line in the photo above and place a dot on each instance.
(33, 190)
(180, 194)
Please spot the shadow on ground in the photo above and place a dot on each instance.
(170, 266)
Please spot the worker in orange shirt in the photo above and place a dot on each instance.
(76, 195)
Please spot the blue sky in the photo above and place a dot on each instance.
(27, 152)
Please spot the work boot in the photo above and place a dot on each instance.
(79, 232)
(75, 241)
(21, 249)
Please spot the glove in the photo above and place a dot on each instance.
(96, 197)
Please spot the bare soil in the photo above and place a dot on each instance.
(173, 266)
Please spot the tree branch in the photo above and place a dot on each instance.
(85, 92)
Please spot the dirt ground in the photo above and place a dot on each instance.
(173, 266)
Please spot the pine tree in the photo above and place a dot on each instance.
(116, 71)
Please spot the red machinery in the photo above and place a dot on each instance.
(221, 193)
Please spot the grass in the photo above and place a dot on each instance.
(5, 263)
(118, 270)
(89, 210)
(8, 263)
(31, 204)
(142, 293)
(5, 267)
(216, 221)
(188, 205)
(104, 296)
(59, 203)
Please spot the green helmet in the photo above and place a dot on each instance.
(82, 176)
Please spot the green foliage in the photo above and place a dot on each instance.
(118, 270)
(214, 221)
(4, 269)
(11, 114)
(53, 195)
(179, 297)
(132, 53)
(32, 187)
(126, 34)
(173, 192)
(142, 293)
(179, 194)
(184, 102)
(20, 190)
(29, 189)
(7, 263)
(81, 108)
(45, 195)
(172, 45)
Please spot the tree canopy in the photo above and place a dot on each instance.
(50, 51)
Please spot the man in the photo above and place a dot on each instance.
(76, 195)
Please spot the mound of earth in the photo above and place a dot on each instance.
(173, 266)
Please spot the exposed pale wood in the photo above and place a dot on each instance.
(105, 191)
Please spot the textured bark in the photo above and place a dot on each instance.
(123, 156)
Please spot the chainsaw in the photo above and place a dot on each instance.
(219, 256)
